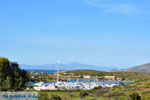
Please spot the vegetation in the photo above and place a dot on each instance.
(87, 72)
(12, 78)
(135, 96)
(83, 94)
(99, 87)
(55, 97)
(123, 92)
(66, 96)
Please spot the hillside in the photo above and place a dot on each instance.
(88, 72)
(122, 92)
(133, 76)
(140, 68)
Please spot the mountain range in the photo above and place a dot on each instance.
(71, 66)
(77, 66)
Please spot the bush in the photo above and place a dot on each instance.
(55, 97)
(99, 87)
(135, 96)
(43, 96)
(99, 92)
(83, 94)
(64, 98)
(114, 95)
(70, 94)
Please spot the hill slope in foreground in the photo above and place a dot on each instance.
(122, 92)
(140, 68)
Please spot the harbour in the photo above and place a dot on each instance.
(73, 84)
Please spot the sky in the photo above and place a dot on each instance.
(97, 32)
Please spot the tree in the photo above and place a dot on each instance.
(5, 74)
(135, 96)
(19, 77)
(12, 78)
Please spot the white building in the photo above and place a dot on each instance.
(87, 76)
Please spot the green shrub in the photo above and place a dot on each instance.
(99, 87)
(135, 96)
(83, 94)
(55, 97)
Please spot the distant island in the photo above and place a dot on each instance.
(71, 66)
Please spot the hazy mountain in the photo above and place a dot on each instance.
(140, 68)
(71, 66)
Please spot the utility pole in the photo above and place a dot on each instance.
(58, 62)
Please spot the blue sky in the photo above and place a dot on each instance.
(97, 32)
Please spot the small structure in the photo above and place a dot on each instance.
(119, 79)
(42, 73)
(87, 76)
(32, 77)
(76, 76)
(44, 88)
(110, 77)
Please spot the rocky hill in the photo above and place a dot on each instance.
(140, 68)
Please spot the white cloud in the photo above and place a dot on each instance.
(112, 6)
